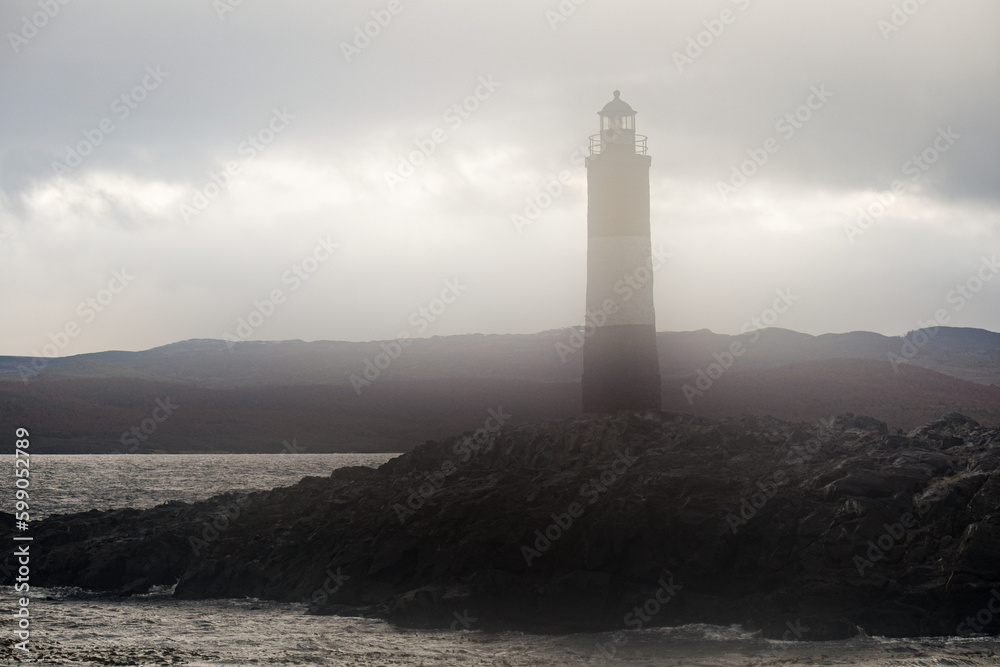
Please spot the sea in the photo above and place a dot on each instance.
(77, 627)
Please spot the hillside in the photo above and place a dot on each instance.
(811, 390)
(80, 415)
(316, 397)
(969, 354)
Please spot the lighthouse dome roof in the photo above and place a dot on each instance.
(617, 107)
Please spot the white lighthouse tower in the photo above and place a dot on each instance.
(620, 362)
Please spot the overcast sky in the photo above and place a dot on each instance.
(114, 117)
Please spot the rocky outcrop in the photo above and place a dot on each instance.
(610, 522)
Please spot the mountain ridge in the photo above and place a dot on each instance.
(967, 353)
(379, 396)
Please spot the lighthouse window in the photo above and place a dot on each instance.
(618, 123)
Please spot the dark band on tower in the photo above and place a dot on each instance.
(620, 363)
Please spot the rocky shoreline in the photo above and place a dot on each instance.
(804, 531)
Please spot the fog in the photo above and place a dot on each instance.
(168, 169)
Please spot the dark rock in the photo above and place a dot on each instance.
(859, 422)
(979, 550)
(870, 484)
(591, 524)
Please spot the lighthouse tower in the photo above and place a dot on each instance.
(620, 364)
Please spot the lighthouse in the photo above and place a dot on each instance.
(620, 363)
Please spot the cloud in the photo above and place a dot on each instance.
(167, 138)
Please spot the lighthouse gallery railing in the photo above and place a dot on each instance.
(595, 144)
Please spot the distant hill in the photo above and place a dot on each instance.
(811, 390)
(255, 396)
(83, 415)
(969, 354)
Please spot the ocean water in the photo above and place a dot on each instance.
(77, 483)
(75, 627)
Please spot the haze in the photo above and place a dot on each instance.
(241, 152)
